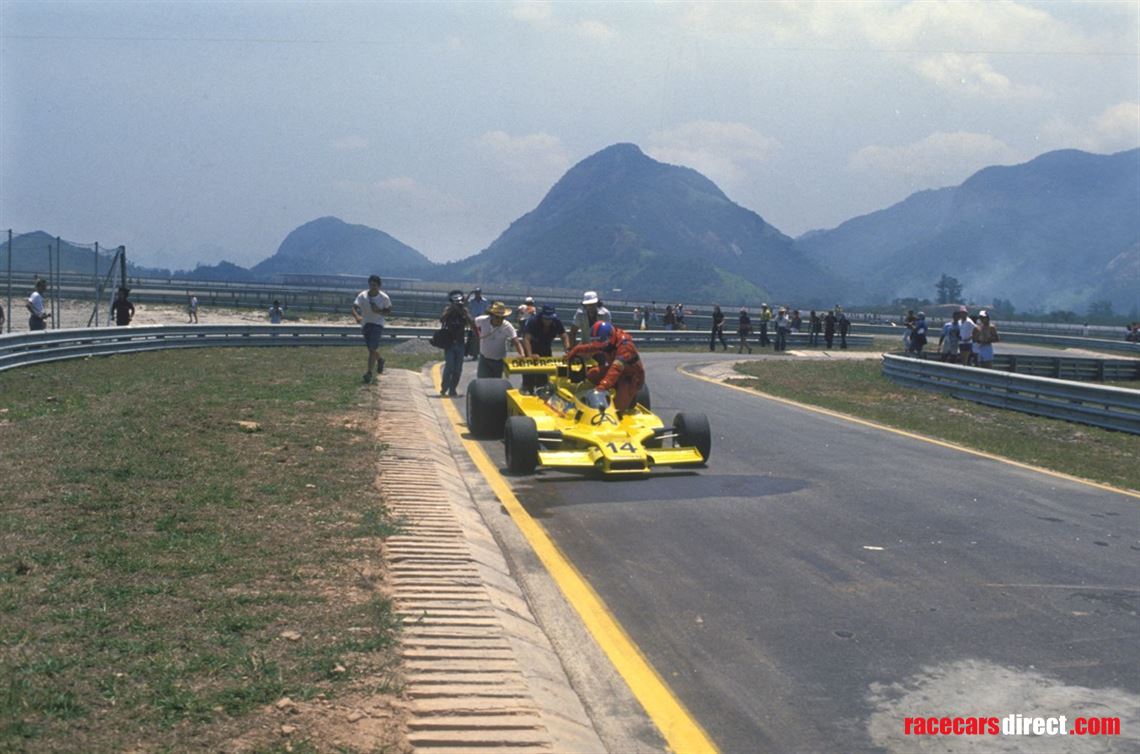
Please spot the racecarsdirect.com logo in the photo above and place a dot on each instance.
(1011, 725)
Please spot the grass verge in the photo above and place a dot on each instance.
(187, 537)
(859, 388)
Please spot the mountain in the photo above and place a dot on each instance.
(1060, 231)
(621, 220)
(330, 246)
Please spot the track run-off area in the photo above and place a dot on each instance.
(823, 579)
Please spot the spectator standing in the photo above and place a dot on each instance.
(948, 340)
(797, 321)
(369, 309)
(1133, 335)
(744, 329)
(37, 315)
(525, 312)
(966, 337)
(192, 309)
(122, 309)
(765, 318)
(679, 315)
(1, 320)
(670, 317)
(783, 327)
(985, 335)
(844, 326)
(829, 322)
(495, 334)
(918, 334)
(476, 307)
(908, 323)
(538, 338)
(815, 326)
(276, 313)
(456, 321)
(590, 312)
(637, 323)
(717, 328)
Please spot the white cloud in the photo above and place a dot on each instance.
(1114, 130)
(408, 191)
(953, 44)
(537, 12)
(596, 31)
(351, 143)
(722, 151)
(972, 74)
(540, 14)
(538, 158)
(940, 159)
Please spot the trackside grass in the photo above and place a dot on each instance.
(167, 572)
(858, 388)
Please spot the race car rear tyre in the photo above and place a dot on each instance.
(487, 407)
(693, 432)
(522, 445)
(643, 396)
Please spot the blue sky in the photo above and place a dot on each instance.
(192, 132)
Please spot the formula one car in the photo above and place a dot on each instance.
(569, 424)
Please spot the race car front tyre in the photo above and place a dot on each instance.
(487, 407)
(693, 432)
(522, 445)
(643, 395)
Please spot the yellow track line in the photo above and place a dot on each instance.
(681, 732)
(911, 435)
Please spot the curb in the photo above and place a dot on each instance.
(480, 673)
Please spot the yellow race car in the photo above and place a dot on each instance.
(569, 424)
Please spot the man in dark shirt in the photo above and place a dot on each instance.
(539, 335)
(122, 309)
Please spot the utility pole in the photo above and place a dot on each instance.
(95, 283)
(9, 312)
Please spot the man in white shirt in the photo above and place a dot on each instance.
(966, 337)
(495, 332)
(369, 310)
(588, 313)
(37, 319)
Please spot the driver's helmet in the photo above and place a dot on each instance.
(596, 399)
(601, 331)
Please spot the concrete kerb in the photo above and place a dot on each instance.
(576, 673)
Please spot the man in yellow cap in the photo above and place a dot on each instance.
(495, 333)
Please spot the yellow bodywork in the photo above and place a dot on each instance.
(575, 435)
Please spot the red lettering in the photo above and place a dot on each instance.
(907, 722)
(993, 726)
(946, 726)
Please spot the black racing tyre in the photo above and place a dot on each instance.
(643, 396)
(521, 437)
(693, 431)
(487, 407)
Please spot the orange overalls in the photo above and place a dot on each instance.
(621, 368)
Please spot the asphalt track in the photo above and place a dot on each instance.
(820, 579)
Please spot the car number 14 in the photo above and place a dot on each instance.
(625, 446)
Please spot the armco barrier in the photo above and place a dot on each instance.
(20, 349)
(1096, 405)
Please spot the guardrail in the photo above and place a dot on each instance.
(1025, 338)
(1062, 367)
(21, 349)
(1096, 405)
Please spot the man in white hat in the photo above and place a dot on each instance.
(495, 332)
(588, 313)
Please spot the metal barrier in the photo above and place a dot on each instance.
(1096, 405)
(20, 349)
